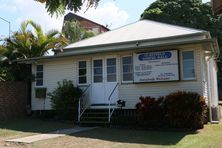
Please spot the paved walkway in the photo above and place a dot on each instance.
(50, 135)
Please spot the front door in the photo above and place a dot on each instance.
(104, 80)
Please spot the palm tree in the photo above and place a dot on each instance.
(30, 41)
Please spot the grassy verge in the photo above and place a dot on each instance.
(29, 126)
(210, 136)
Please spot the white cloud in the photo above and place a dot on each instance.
(21, 10)
(29, 9)
(106, 14)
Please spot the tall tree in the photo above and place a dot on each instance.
(74, 32)
(59, 6)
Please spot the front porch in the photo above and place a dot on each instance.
(97, 111)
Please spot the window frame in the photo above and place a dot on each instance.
(106, 68)
(182, 65)
(125, 82)
(36, 72)
(87, 71)
(92, 68)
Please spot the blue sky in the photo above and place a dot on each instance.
(114, 13)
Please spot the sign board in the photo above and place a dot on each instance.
(156, 66)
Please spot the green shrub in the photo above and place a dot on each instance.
(150, 111)
(176, 110)
(64, 100)
(185, 109)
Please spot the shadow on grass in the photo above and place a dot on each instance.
(33, 125)
(135, 136)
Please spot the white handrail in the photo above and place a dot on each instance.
(110, 113)
(81, 106)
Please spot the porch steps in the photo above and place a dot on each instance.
(95, 117)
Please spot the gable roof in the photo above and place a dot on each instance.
(144, 34)
(138, 31)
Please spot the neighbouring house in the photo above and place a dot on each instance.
(145, 58)
(217, 6)
(86, 23)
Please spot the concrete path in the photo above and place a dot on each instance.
(50, 135)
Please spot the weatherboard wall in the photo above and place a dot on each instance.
(66, 68)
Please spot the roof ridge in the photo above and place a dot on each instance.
(150, 22)
(178, 26)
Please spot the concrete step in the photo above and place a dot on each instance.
(104, 119)
(94, 123)
(95, 117)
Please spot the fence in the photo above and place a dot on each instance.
(12, 99)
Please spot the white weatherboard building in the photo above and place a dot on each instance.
(146, 58)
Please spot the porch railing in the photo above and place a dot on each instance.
(83, 102)
(110, 99)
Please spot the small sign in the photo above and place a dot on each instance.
(156, 66)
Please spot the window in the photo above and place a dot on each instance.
(82, 72)
(39, 75)
(98, 71)
(127, 69)
(111, 70)
(188, 68)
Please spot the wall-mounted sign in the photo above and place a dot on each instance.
(156, 66)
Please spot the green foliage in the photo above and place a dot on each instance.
(188, 13)
(30, 41)
(58, 7)
(64, 99)
(15, 72)
(177, 110)
(74, 32)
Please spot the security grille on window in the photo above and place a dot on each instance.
(39, 75)
(127, 69)
(82, 72)
(188, 65)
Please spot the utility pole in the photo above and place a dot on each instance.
(9, 26)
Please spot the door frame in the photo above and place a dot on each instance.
(104, 81)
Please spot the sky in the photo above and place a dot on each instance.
(114, 13)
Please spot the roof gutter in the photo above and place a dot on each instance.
(135, 47)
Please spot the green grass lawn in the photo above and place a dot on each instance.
(210, 136)
(21, 127)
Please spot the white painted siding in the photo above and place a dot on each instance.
(131, 92)
(66, 68)
(54, 71)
